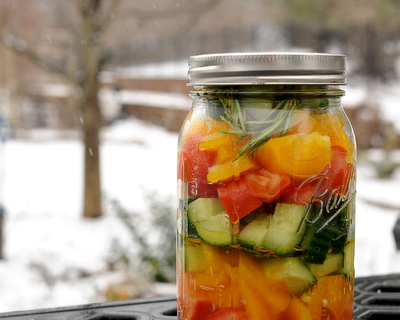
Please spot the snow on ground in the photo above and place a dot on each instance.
(47, 240)
(168, 69)
(50, 248)
(378, 207)
(111, 101)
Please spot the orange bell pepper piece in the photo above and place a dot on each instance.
(333, 295)
(297, 310)
(261, 299)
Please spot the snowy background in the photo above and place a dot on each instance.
(54, 257)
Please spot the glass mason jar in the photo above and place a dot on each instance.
(266, 187)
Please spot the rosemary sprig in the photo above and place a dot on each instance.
(278, 119)
(235, 116)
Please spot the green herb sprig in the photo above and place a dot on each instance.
(278, 119)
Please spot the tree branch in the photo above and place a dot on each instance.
(109, 14)
(197, 17)
(19, 46)
(150, 14)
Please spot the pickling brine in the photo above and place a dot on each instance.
(266, 177)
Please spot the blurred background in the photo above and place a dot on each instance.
(92, 96)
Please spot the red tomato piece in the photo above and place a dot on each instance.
(266, 185)
(335, 178)
(193, 168)
(299, 195)
(341, 172)
(237, 199)
(200, 310)
(231, 313)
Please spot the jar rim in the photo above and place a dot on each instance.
(251, 68)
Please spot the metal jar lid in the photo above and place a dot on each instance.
(257, 68)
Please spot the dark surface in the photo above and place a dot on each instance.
(376, 298)
(140, 309)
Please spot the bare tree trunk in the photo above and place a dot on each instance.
(72, 103)
(92, 120)
(91, 128)
(11, 86)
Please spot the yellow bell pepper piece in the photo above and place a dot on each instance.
(331, 124)
(214, 141)
(229, 169)
(298, 155)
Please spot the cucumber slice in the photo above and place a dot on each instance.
(332, 265)
(194, 257)
(326, 235)
(253, 234)
(339, 243)
(317, 245)
(296, 275)
(286, 230)
(211, 221)
(348, 264)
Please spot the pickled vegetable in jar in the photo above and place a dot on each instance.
(266, 187)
